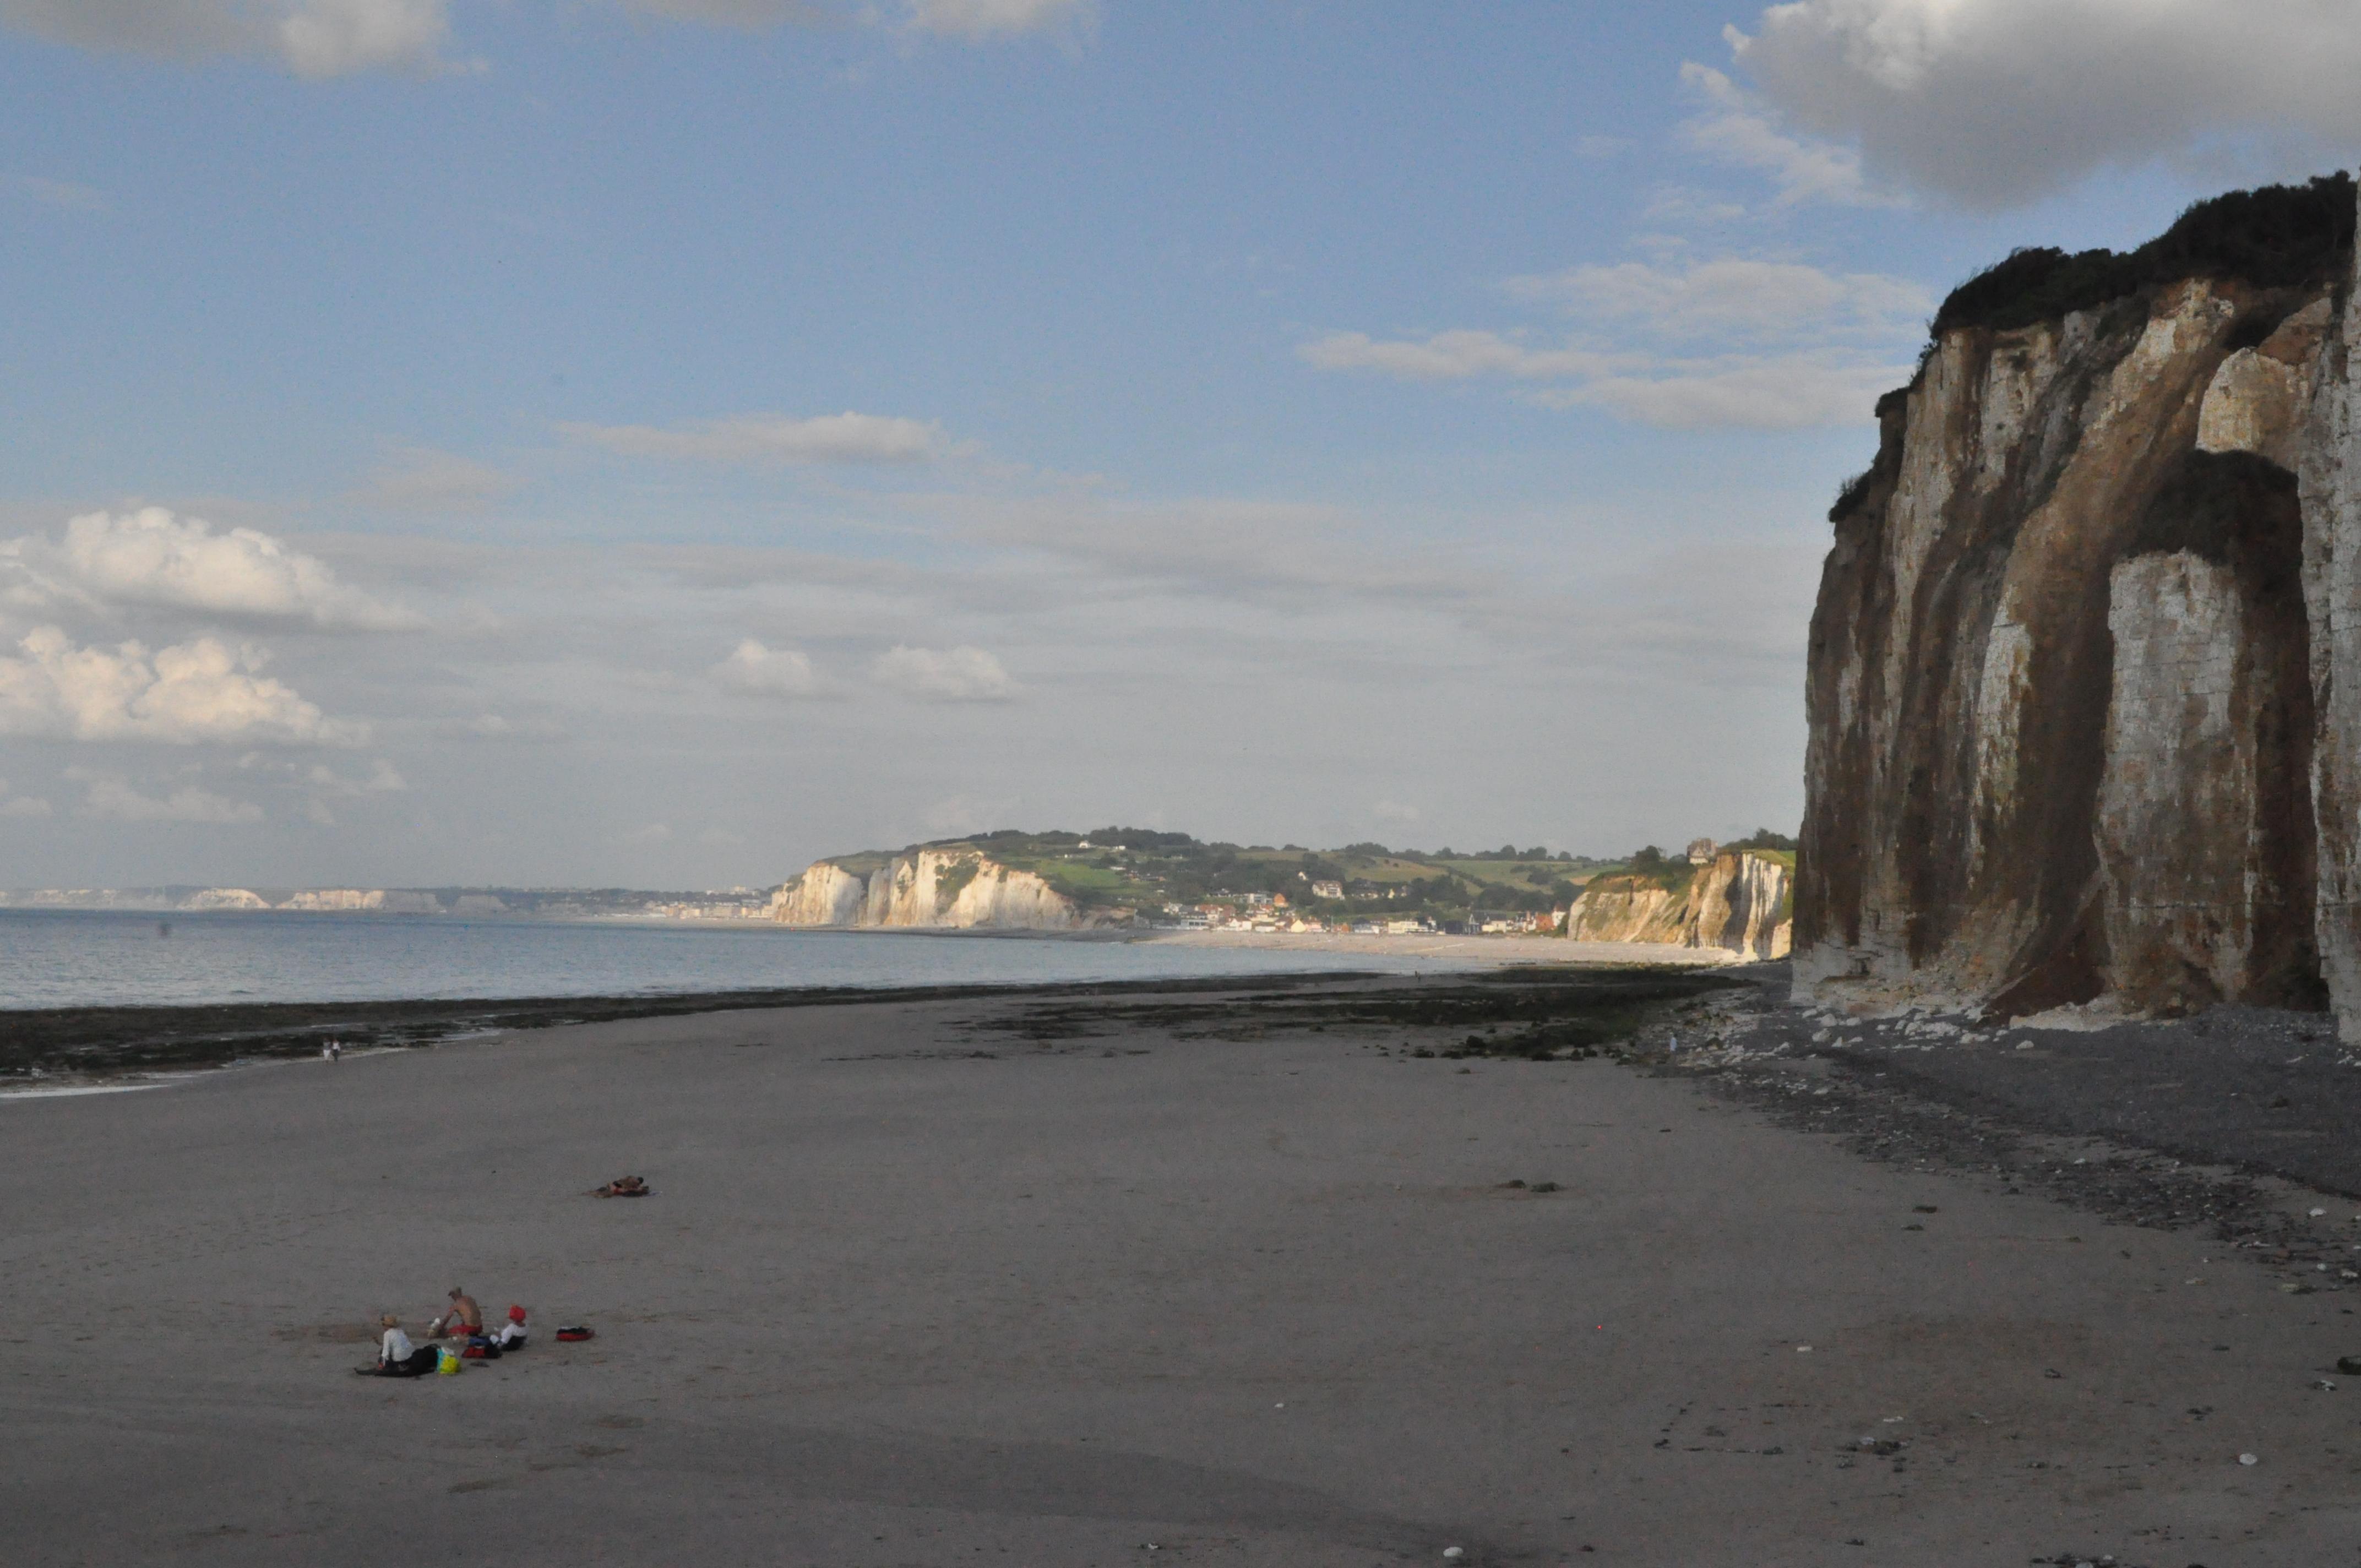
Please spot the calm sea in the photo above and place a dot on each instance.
(57, 958)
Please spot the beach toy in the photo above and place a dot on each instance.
(575, 1330)
(446, 1363)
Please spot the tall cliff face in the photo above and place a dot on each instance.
(2083, 672)
(1738, 903)
(932, 889)
(825, 894)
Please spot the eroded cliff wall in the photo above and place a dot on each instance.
(928, 889)
(1738, 903)
(2082, 724)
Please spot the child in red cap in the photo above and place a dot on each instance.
(512, 1334)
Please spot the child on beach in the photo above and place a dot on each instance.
(512, 1334)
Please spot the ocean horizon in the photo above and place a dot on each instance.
(77, 958)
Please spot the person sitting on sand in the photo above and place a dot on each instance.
(510, 1335)
(396, 1357)
(463, 1318)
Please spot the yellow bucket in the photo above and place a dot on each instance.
(447, 1362)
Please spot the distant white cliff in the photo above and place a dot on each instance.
(1739, 902)
(929, 889)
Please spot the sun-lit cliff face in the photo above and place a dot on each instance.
(1738, 903)
(929, 889)
(2085, 674)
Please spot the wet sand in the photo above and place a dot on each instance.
(916, 1290)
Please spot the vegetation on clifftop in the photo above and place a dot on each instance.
(1145, 869)
(2275, 237)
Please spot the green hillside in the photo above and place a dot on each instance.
(1147, 870)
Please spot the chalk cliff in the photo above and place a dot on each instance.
(1736, 902)
(2084, 692)
(930, 888)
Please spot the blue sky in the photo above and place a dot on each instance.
(674, 441)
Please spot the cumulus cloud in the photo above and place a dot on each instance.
(1798, 345)
(197, 692)
(1735, 128)
(768, 671)
(112, 799)
(310, 38)
(420, 479)
(775, 438)
(955, 674)
(1990, 103)
(151, 557)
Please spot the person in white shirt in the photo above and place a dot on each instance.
(512, 1333)
(396, 1357)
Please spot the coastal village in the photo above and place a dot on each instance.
(1736, 897)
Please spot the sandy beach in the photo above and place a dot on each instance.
(959, 1281)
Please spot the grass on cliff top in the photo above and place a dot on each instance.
(2274, 238)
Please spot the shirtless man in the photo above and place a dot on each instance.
(464, 1317)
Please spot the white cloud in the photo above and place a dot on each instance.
(13, 805)
(420, 479)
(955, 675)
(1793, 391)
(111, 799)
(768, 671)
(383, 779)
(310, 38)
(197, 692)
(1240, 550)
(1990, 103)
(1799, 346)
(1395, 811)
(499, 726)
(976, 20)
(653, 833)
(151, 557)
(1448, 357)
(775, 438)
(1737, 129)
(1734, 297)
